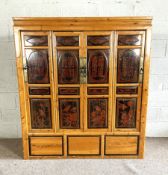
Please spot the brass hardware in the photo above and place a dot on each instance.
(83, 70)
(141, 70)
(25, 68)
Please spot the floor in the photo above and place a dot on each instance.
(154, 163)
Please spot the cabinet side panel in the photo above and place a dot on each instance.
(22, 96)
(145, 92)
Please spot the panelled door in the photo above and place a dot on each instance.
(38, 76)
(98, 88)
(67, 51)
(129, 55)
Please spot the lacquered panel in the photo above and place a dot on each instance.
(69, 91)
(98, 66)
(35, 40)
(38, 66)
(40, 110)
(39, 91)
(131, 40)
(97, 91)
(68, 66)
(126, 90)
(98, 40)
(67, 40)
(126, 112)
(69, 113)
(97, 112)
(128, 62)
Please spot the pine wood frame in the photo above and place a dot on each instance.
(88, 25)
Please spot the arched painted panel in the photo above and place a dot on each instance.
(38, 66)
(98, 66)
(128, 62)
(68, 67)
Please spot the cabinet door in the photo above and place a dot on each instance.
(97, 90)
(38, 79)
(129, 75)
(67, 53)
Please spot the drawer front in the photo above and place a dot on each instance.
(40, 146)
(84, 145)
(121, 145)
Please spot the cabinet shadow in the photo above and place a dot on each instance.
(11, 149)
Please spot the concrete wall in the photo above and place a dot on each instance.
(157, 119)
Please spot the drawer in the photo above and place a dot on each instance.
(84, 145)
(121, 145)
(46, 146)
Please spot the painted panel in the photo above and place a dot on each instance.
(36, 40)
(38, 66)
(126, 112)
(98, 40)
(97, 113)
(69, 113)
(126, 90)
(97, 91)
(68, 66)
(39, 91)
(69, 91)
(128, 62)
(67, 40)
(132, 40)
(40, 110)
(98, 66)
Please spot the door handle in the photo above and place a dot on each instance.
(83, 70)
(25, 68)
(141, 70)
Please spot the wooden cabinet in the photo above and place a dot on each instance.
(83, 86)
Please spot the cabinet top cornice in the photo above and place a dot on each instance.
(82, 23)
